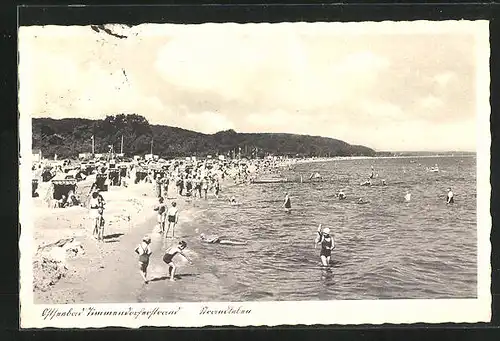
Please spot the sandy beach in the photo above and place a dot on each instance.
(83, 270)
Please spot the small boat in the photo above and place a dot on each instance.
(434, 170)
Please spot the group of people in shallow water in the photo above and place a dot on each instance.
(324, 238)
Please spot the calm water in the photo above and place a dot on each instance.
(384, 249)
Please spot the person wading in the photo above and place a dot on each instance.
(327, 245)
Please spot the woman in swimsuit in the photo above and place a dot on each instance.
(327, 245)
(169, 256)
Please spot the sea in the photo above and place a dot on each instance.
(385, 249)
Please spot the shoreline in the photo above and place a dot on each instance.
(347, 158)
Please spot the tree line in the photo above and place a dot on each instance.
(70, 136)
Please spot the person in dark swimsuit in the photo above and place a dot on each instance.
(287, 204)
(169, 256)
(144, 252)
(327, 245)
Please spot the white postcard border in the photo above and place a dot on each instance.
(271, 313)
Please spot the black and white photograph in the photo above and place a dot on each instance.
(254, 174)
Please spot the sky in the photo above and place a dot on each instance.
(388, 86)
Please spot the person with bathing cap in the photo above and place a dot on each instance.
(144, 252)
(327, 245)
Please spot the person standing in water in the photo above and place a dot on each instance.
(169, 256)
(144, 252)
(327, 245)
(372, 173)
(287, 204)
(449, 198)
(173, 218)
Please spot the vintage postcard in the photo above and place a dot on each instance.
(254, 174)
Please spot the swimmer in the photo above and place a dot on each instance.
(407, 196)
(361, 201)
(449, 198)
(327, 245)
(367, 183)
(219, 240)
(287, 204)
(232, 201)
(383, 182)
(341, 195)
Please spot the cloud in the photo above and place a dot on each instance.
(364, 87)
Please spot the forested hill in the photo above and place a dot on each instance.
(71, 136)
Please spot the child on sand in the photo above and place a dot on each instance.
(170, 254)
(144, 252)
